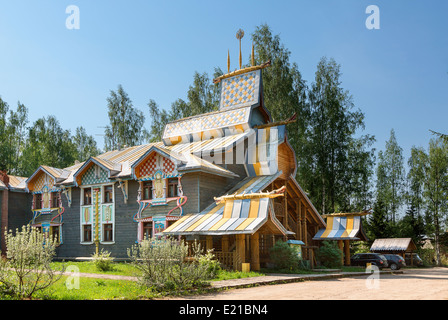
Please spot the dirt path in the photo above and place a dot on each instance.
(413, 284)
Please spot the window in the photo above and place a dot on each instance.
(147, 190)
(87, 233)
(55, 233)
(107, 194)
(87, 197)
(38, 201)
(147, 230)
(107, 232)
(172, 187)
(55, 199)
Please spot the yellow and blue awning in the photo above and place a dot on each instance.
(342, 228)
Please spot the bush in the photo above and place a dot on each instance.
(329, 255)
(102, 260)
(164, 265)
(284, 256)
(26, 268)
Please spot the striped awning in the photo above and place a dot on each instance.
(244, 216)
(342, 228)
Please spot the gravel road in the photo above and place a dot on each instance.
(413, 284)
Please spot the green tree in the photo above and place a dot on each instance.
(13, 136)
(203, 97)
(284, 89)
(126, 123)
(412, 226)
(416, 179)
(4, 147)
(17, 129)
(436, 189)
(331, 148)
(391, 176)
(378, 224)
(85, 144)
(47, 144)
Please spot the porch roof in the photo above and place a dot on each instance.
(348, 227)
(239, 216)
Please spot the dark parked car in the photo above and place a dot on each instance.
(416, 260)
(361, 259)
(395, 261)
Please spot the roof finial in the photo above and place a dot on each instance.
(253, 56)
(228, 61)
(239, 36)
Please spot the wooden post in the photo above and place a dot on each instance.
(255, 251)
(225, 243)
(286, 208)
(305, 232)
(241, 249)
(208, 243)
(347, 252)
(299, 220)
(341, 247)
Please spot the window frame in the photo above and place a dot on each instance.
(110, 231)
(147, 185)
(109, 191)
(84, 240)
(37, 201)
(172, 182)
(84, 196)
(55, 196)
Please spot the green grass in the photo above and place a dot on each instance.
(96, 288)
(93, 289)
(228, 275)
(118, 268)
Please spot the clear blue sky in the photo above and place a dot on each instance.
(398, 75)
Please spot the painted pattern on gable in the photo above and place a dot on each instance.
(94, 175)
(238, 90)
(42, 181)
(154, 163)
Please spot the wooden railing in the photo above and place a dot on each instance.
(226, 259)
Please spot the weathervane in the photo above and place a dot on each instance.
(239, 36)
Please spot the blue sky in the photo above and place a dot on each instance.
(397, 75)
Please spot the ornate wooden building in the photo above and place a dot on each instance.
(225, 178)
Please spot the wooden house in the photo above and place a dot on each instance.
(225, 178)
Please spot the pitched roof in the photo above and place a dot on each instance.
(15, 183)
(393, 244)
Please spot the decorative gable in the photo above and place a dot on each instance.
(240, 90)
(154, 163)
(96, 171)
(94, 175)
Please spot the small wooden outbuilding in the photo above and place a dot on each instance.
(399, 246)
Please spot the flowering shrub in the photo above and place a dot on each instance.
(102, 260)
(26, 267)
(165, 267)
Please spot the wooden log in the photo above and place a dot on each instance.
(255, 251)
(241, 249)
(208, 243)
(347, 252)
(341, 247)
(225, 243)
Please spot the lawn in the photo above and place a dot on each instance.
(107, 289)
